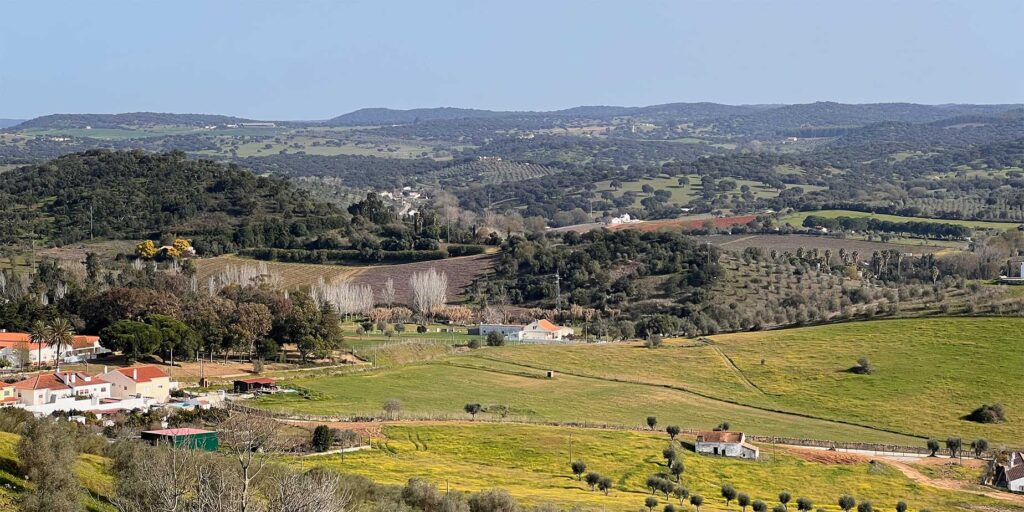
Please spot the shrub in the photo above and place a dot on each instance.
(653, 341)
(322, 438)
(495, 339)
(988, 414)
(473, 343)
(863, 367)
(493, 500)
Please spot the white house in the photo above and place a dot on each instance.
(543, 330)
(726, 444)
(14, 344)
(1010, 476)
(621, 219)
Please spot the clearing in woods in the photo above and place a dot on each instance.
(532, 463)
(796, 219)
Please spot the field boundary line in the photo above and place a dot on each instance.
(717, 399)
(736, 369)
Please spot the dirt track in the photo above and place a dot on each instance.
(908, 470)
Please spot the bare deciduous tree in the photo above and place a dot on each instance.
(387, 293)
(251, 440)
(314, 491)
(429, 289)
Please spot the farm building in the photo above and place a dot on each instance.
(1010, 476)
(510, 331)
(184, 437)
(726, 444)
(543, 330)
(255, 385)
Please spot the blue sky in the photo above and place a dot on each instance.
(305, 59)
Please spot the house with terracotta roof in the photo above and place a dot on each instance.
(726, 444)
(146, 381)
(540, 331)
(1010, 476)
(14, 344)
(53, 388)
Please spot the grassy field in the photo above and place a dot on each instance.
(533, 464)
(93, 472)
(684, 194)
(802, 389)
(440, 388)
(951, 364)
(796, 219)
(929, 373)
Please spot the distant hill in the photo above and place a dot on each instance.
(804, 119)
(373, 116)
(378, 116)
(134, 194)
(131, 119)
(6, 123)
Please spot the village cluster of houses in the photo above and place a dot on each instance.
(117, 390)
(538, 331)
(120, 389)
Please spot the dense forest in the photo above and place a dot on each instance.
(131, 195)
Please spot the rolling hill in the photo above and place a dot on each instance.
(131, 119)
(133, 194)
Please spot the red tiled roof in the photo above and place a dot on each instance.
(42, 381)
(57, 381)
(547, 326)
(145, 373)
(177, 432)
(9, 339)
(720, 436)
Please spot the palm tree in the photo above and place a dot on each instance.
(61, 334)
(39, 334)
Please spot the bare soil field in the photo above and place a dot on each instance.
(77, 252)
(794, 242)
(293, 275)
(461, 272)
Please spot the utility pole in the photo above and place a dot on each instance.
(558, 292)
(570, 447)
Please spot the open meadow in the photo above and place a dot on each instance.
(792, 383)
(532, 463)
(796, 219)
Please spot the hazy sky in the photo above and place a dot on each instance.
(300, 59)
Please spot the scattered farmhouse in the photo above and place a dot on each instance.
(263, 384)
(539, 331)
(16, 345)
(1010, 476)
(621, 219)
(140, 382)
(543, 330)
(509, 331)
(726, 444)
